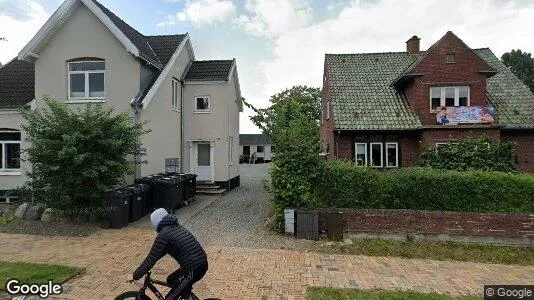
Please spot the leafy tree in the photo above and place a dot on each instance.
(292, 122)
(484, 154)
(522, 65)
(308, 98)
(79, 154)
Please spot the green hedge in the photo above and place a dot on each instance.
(344, 185)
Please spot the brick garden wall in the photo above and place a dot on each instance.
(434, 222)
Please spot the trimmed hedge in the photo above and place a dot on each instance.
(345, 185)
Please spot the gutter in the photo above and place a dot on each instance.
(182, 83)
(137, 114)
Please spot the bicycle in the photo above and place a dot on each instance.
(150, 283)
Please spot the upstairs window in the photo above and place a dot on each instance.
(259, 149)
(87, 80)
(450, 58)
(449, 96)
(9, 151)
(328, 110)
(202, 104)
(175, 93)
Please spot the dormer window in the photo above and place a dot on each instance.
(87, 80)
(449, 96)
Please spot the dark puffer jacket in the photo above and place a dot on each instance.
(178, 242)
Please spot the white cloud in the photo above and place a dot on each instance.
(202, 12)
(273, 18)
(19, 20)
(298, 53)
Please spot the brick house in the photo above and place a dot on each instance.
(384, 109)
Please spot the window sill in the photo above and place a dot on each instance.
(201, 112)
(10, 173)
(78, 101)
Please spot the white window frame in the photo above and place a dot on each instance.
(231, 150)
(381, 155)
(456, 95)
(86, 97)
(3, 169)
(202, 111)
(356, 154)
(396, 155)
(328, 110)
(174, 100)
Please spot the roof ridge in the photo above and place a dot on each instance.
(164, 35)
(365, 53)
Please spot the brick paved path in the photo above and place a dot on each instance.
(239, 273)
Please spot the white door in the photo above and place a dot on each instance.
(204, 161)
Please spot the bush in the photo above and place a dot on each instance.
(347, 186)
(78, 155)
(483, 154)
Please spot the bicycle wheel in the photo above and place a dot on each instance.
(132, 295)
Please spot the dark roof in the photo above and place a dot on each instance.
(363, 97)
(512, 99)
(254, 139)
(17, 81)
(164, 46)
(209, 70)
(139, 40)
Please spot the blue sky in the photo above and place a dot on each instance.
(281, 43)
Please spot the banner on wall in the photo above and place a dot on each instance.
(476, 114)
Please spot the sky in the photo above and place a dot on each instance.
(282, 43)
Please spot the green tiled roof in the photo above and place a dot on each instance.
(363, 97)
(513, 101)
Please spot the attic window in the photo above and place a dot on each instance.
(450, 58)
(86, 80)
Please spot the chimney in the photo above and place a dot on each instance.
(412, 45)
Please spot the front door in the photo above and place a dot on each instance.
(204, 161)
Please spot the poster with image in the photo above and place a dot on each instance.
(477, 114)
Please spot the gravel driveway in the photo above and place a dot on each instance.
(235, 219)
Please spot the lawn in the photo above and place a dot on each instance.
(347, 294)
(434, 250)
(35, 273)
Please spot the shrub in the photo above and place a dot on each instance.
(483, 154)
(78, 155)
(347, 186)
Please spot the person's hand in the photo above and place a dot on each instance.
(129, 278)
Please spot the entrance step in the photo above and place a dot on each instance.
(213, 192)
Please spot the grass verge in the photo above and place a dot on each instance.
(35, 273)
(434, 250)
(316, 293)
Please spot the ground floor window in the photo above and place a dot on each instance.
(361, 154)
(392, 155)
(9, 151)
(377, 154)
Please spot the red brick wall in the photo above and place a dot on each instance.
(524, 153)
(327, 125)
(464, 71)
(408, 144)
(429, 137)
(434, 222)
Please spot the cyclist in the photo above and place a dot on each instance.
(178, 242)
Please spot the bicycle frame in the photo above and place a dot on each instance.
(150, 284)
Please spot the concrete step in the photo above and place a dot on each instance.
(211, 191)
(204, 186)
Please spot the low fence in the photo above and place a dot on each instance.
(433, 222)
